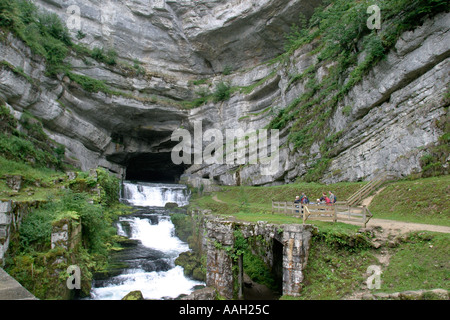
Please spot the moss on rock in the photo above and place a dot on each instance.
(134, 295)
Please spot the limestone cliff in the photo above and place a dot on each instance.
(183, 48)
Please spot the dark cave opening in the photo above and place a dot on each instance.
(154, 167)
(277, 268)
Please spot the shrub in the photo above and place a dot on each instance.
(35, 230)
(50, 24)
(42, 31)
(227, 70)
(7, 122)
(222, 92)
(89, 84)
(110, 187)
(109, 57)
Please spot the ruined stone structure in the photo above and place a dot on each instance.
(11, 215)
(286, 252)
(66, 232)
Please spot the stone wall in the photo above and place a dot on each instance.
(11, 215)
(293, 241)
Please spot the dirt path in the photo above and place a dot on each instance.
(401, 226)
(405, 227)
(366, 202)
(217, 199)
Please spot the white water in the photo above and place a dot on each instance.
(155, 194)
(154, 285)
(157, 239)
(160, 237)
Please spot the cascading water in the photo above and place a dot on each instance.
(154, 194)
(150, 263)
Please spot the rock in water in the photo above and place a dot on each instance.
(134, 295)
(171, 205)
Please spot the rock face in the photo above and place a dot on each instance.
(393, 110)
(190, 36)
(393, 117)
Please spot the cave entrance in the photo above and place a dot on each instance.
(154, 167)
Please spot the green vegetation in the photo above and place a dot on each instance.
(108, 57)
(421, 261)
(222, 92)
(421, 201)
(336, 270)
(32, 261)
(89, 84)
(257, 200)
(253, 250)
(43, 32)
(227, 70)
(37, 161)
(337, 264)
(47, 35)
(406, 200)
(31, 145)
(340, 254)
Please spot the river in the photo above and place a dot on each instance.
(149, 263)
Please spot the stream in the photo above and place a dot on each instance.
(148, 262)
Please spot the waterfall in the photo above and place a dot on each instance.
(154, 194)
(150, 264)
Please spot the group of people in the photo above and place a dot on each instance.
(323, 200)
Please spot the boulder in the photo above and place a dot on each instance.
(134, 295)
(14, 182)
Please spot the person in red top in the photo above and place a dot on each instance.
(325, 198)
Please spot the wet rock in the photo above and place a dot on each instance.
(134, 295)
(204, 294)
(171, 205)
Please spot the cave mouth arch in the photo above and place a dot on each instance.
(153, 167)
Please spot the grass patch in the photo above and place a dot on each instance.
(42, 31)
(332, 272)
(421, 262)
(422, 201)
(258, 199)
